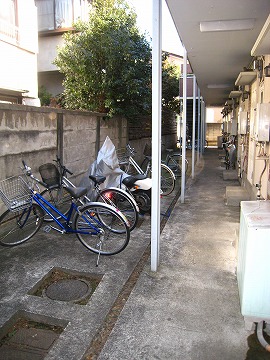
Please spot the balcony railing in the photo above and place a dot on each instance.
(9, 32)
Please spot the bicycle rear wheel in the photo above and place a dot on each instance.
(121, 201)
(60, 198)
(145, 167)
(18, 227)
(167, 180)
(175, 164)
(101, 229)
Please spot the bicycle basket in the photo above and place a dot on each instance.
(122, 156)
(15, 193)
(49, 174)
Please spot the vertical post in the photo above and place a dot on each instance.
(199, 125)
(193, 127)
(203, 127)
(60, 136)
(156, 133)
(183, 177)
(97, 136)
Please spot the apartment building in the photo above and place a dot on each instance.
(55, 17)
(18, 48)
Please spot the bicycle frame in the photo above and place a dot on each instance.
(137, 167)
(107, 200)
(169, 157)
(65, 227)
(67, 182)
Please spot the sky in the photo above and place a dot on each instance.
(170, 38)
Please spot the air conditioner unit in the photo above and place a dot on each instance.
(253, 265)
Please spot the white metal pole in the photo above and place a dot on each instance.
(199, 125)
(156, 133)
(183, 177)
(203, 127)
(193, 127)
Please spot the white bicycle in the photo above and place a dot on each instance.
(129, 165)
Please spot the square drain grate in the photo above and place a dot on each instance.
(29, 336)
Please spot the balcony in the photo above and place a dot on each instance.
(9, 32)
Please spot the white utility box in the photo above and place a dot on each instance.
(262, 122)
(243, 121)
(253, 261)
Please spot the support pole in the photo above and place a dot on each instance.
(184, 132)
(193, 127)
(156, 133)
(203, 126)
(199, 126)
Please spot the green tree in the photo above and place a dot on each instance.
(106, 62)
(170, 85)
(44, 96)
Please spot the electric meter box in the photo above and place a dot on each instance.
(262, 122)
(243, 119)
(233, 127)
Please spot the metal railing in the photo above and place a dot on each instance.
(9, 32)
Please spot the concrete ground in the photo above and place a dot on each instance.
(188, 310)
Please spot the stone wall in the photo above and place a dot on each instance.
(37, 135)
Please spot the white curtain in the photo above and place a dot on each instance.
(63, 13)
(54, 14)
(81, 9)
(45, 14)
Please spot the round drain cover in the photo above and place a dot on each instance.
(68, 290)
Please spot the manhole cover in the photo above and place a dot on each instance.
(68, 290)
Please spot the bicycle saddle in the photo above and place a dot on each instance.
(97, 179)
(129, 181)
(76, 192)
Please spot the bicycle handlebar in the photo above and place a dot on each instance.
(26, 168)
(29, 173)
(65, 170)
(130, 149)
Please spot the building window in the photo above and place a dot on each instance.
(60, 14)
(8, 21)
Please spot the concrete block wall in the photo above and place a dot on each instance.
(25, 134)
(37, 135)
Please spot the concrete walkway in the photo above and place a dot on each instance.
(188, 310)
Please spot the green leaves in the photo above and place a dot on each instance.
(106, 64)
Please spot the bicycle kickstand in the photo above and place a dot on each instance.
(98, 255)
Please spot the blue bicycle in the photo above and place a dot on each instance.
(99, 227)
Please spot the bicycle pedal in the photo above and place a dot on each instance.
(47, 228)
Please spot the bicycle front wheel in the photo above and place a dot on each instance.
(167, 181)
(101, 229)
(18, 227)
(122, 201)
(60, 198)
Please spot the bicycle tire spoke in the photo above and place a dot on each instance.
(101, 229)
(18, 227)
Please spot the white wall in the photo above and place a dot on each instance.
(18, 62)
